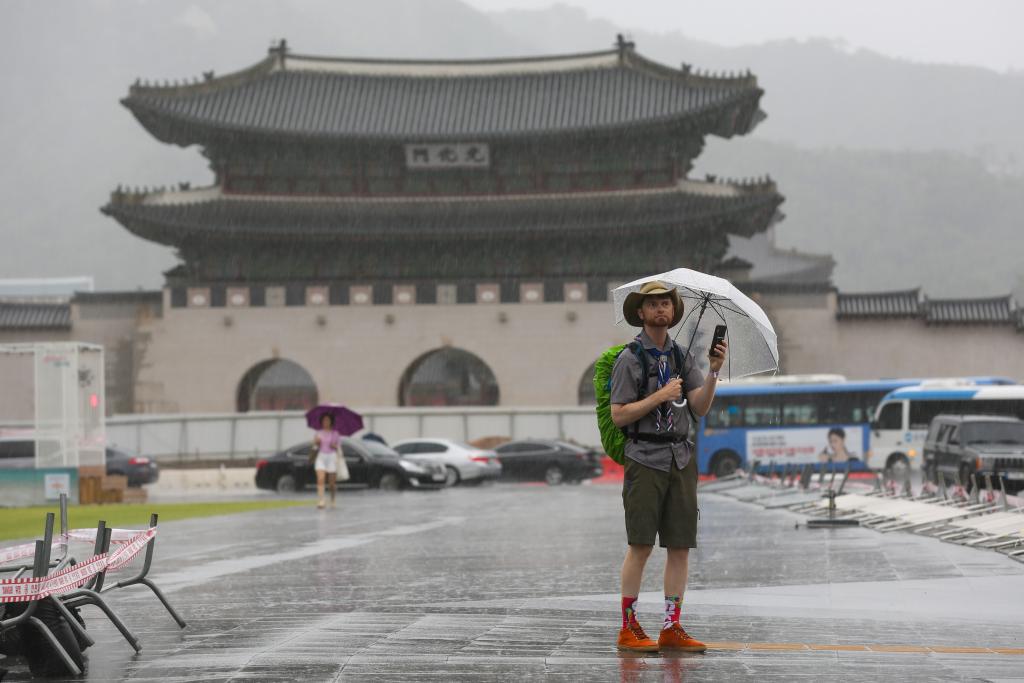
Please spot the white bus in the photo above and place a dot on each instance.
(902, 418)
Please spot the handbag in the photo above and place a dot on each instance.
(343, 474)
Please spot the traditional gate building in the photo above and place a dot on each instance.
(344, 183)
(384, 232)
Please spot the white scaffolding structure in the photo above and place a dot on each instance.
(54, 396)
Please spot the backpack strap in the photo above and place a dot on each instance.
(641, 390)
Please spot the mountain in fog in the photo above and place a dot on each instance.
(919, 137)
(818, 94)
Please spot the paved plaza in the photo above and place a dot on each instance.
(511, 582)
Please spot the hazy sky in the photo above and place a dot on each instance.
(979, 32)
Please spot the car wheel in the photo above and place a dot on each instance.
(553, 475)
(967, 477)
(285, 484)
(389, 481)
(725, 463)
(451, 476)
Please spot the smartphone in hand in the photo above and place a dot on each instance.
(717, 339)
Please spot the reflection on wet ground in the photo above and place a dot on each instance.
(519, 582)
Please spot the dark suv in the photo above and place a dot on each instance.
(974, 445)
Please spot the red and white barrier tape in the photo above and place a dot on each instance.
(18, 552)
(70, 578)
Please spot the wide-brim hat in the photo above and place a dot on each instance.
(634, 300)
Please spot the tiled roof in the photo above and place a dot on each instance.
(902, 304)
(34, 316)
(421, 101)
(1000, 310)
(739, 208)
(994, 310)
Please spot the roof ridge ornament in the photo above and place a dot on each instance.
(277, 53)
(624, 44)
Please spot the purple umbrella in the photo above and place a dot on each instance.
(346, 422)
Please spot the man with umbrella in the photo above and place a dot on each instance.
(659, 490)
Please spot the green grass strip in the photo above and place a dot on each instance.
(28, 523)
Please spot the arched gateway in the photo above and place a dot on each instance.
(448, 377)
(276, 384)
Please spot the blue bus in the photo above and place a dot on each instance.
(817, 423)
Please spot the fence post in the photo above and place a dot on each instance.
(231, 445)
(280, 435)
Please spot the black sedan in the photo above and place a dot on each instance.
(370, 465)
(553, 462)
(139, 470)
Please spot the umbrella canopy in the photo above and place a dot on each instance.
(346, 422)
(711, 301)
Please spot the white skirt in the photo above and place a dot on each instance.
(332, 464)
(327, 462)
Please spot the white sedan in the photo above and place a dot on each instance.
(462, 462)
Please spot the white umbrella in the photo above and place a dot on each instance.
(711, 301)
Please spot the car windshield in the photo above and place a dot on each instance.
(994, 433)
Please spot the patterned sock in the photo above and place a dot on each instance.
(673, 606)
(628, 611)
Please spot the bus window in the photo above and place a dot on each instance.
(891, 416)
(840, 408)
(871, 401)
(725, 413)
(802, 409)
(760, 411)
(922, 412)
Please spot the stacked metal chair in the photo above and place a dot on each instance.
(67, 603)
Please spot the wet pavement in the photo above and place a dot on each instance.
(517, 582)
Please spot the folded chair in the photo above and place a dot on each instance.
(72, 659)
(88, 594)
(143, 579)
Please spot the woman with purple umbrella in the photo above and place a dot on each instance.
(327, 447)
(331, 422)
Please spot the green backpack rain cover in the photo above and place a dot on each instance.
(612, 438)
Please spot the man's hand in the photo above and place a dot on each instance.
(672, 391)
(718, 360)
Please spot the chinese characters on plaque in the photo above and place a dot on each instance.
(457, 155)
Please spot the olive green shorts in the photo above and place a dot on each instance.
(661, 503)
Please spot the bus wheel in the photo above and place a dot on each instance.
(724, 463)
(898, 466)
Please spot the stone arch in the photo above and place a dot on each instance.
(448, 377)
(276, 384)
(585, 392)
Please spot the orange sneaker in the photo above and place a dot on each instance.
(634, 639)
(676, 638)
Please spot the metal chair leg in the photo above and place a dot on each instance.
(75, 625)
(48, 634)
(159, 594)
(88, 597)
